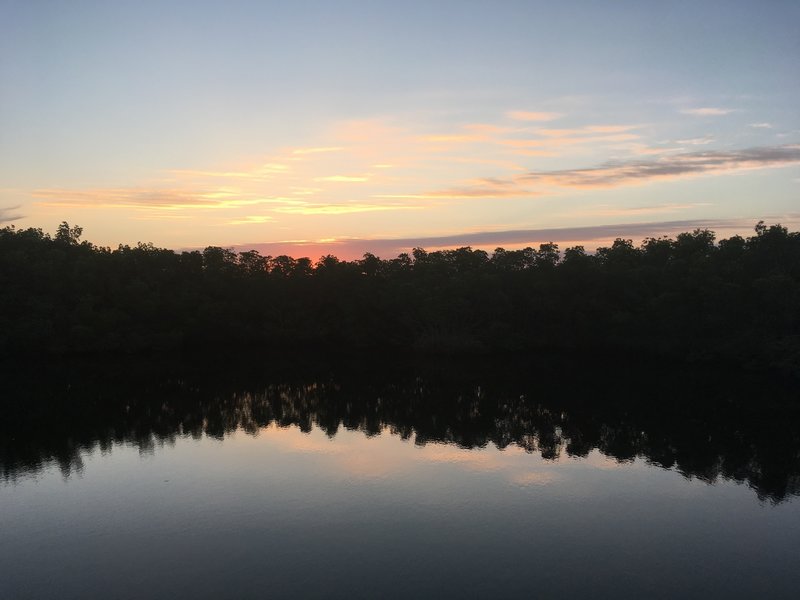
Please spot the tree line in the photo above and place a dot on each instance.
(691, 296)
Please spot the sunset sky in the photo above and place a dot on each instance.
(315, 127)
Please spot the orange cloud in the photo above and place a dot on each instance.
(262, 172)
(610, 128)
(343, 178)
(454, 138)
(522, 115)
(645, 150)
(302, 151)
(484, 188)
(164, 199)
(400, 168)
(339, 209)
(251, 220)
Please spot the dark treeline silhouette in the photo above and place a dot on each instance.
(734, 300)
(705, 424)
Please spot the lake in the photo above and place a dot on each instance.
(532, 477)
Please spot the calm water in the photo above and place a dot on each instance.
(433, 481)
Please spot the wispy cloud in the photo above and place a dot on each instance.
(9, 214)
(343, 178)
(760, 125)
(164, 199)
(375, 165)
(326, 149)
(524, 115)
(645, 150)
(263, 172)
(339, 209)
(620, 173)
(488, 187)
(487, 128)
(458, 138)
(707, 111)
(698, 141)
(304, 191)
(589, 129)
(548, 144)
(208, 190)
(251, 220)
(376, 156)
(675, 166)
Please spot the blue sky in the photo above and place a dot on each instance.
(346, 125)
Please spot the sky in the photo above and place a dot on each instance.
(313, 127)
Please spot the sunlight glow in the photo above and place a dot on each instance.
(386, 142)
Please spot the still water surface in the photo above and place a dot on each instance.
(427, 486)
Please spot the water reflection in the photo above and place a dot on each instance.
(700, 424)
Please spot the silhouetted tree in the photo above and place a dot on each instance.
(690, 296)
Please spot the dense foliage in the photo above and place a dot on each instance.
(690, 296)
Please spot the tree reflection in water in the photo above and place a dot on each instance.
(705, 424)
